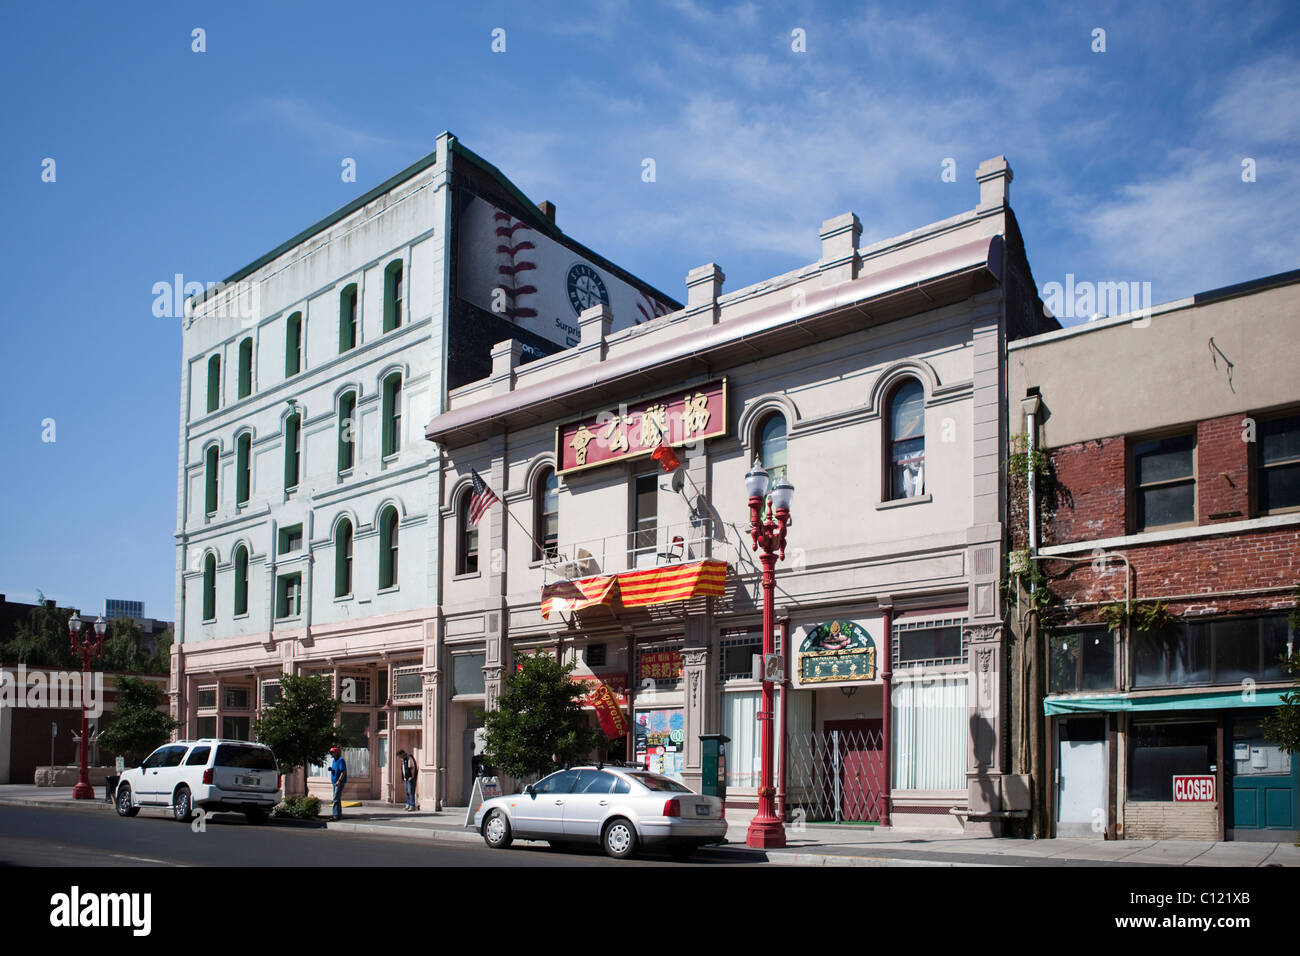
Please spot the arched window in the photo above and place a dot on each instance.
(214, 383)
(241, 580)
(771, 444)
(393, 295)
(293, 345)
(906, 441)
(466, 536)
(210, 481)
(243, 468)
(343, 559)
(388, 548)
(246, 368)
(348, 318)
(292, 450)
(546, 515)
(347, 431)
(392, 414)
(210, 588)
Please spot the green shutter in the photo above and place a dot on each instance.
(210, 491)
(242, 451)
(209, 588)
(291, 427)
(245, 368)
(214, 383)
(241, 581)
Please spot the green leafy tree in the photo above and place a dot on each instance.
(539, 720)
(122, 647)
(301, 726)
(1283, 725)
(161, 661)
(42, 640)
(139, 724)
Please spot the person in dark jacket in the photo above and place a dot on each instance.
(409, 772)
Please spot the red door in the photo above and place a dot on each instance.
(862, 778)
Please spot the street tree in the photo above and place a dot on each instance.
(301, 726)
(538, 721)
(1283, 725)
(139, 724)
(42, 640)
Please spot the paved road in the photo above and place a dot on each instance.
(40, 836)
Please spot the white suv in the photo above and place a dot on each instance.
(212, 775)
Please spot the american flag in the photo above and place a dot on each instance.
(482, 500)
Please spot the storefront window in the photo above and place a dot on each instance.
(1211, 652)
(207, 727)
(1158, 751)
(1081, 661)
(467, 673)
(235, 728)
(356, 748)
(740, 723)
(661, 740)
(928, 643)
(931, 733)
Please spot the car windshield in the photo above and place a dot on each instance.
(244, 758)
(657, 783)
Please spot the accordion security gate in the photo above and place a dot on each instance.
(836, 776)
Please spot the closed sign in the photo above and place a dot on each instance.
(1199, 789)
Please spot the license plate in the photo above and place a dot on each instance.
(248, 781)
(701, 809)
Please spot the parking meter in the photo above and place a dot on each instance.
(713, 765)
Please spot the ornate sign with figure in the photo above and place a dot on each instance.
(837, 651)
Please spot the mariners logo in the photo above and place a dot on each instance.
(586, 288)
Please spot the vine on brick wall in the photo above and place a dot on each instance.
(1021, 571)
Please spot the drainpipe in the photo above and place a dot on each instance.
(1031, 405)
(886, 686)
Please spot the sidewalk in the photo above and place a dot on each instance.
(813, 846)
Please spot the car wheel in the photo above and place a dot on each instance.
(619, 838)
(182, 808)
(124, 808)
(496, 831)
(256, 817)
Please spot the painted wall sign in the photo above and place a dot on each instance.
(511, 269)
(1197, 788)
(837, 651)
(631, 431)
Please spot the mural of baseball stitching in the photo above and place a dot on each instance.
(510, 265)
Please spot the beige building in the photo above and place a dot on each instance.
(875, 378)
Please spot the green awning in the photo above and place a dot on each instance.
(1202, 700)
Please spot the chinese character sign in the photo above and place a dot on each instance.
(629, 431)
(661, 665)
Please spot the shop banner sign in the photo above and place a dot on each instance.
(837, 651)
(661, 665)
(612, 719)
(631, 431)
(1194, 788)
(615, 683)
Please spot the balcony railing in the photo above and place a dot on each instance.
(647, 548)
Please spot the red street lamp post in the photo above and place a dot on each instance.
(766, 830)
(89, 650)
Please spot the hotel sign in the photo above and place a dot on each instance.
(633, 431)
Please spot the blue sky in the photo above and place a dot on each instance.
(1128, 166)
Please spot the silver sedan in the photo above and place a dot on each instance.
(618, 807)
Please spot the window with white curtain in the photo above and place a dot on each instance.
(740, 723)
(930, 733)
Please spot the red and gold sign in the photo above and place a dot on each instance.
(612, 719)
(661, 665)
(617, 684)
(630, 431)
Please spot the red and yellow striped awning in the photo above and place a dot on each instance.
(642, 588)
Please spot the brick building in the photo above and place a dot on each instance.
(1167, 531)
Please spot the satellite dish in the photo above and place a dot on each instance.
(679, 480)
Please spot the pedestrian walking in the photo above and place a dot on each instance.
(409, 772)
(338, 777)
